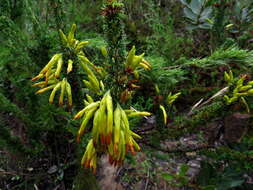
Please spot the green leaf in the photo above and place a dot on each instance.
(195, 6)
(184, 2)
(236, 183)
(183, 169)
(206, 174)
(206, 13)
(167, 177)
(205, 26)
(209, 187)
(190, 15)
(230, 183)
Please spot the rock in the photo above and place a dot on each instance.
(235, 127)
(194, 168)
(211, 132)
(52, 169)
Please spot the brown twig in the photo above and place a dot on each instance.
(145, 130)
(146, 185)
(199, 104)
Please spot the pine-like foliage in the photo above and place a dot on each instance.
(167, 77)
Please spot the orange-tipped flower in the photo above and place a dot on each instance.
(39, 76)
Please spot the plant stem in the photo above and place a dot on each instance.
(115, 36)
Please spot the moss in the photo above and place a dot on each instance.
(189, 124)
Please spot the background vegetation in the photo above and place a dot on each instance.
(190, 43)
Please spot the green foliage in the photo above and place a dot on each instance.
(224, 56)
(10, 143)
(179, 179)
(192, 63)
(198, 13)
(167, 78)
(209, 178)
(163, 41)
(237, 165)
(200, 118)
(162, 75)
(155, 30)
(5, 8)
(19, 59)
(219, 23)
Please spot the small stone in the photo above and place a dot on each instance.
(235, 127)
(52, 169)
(29, 169)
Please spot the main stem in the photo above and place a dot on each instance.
(115, 37)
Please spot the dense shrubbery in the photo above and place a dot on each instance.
(190, 44)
